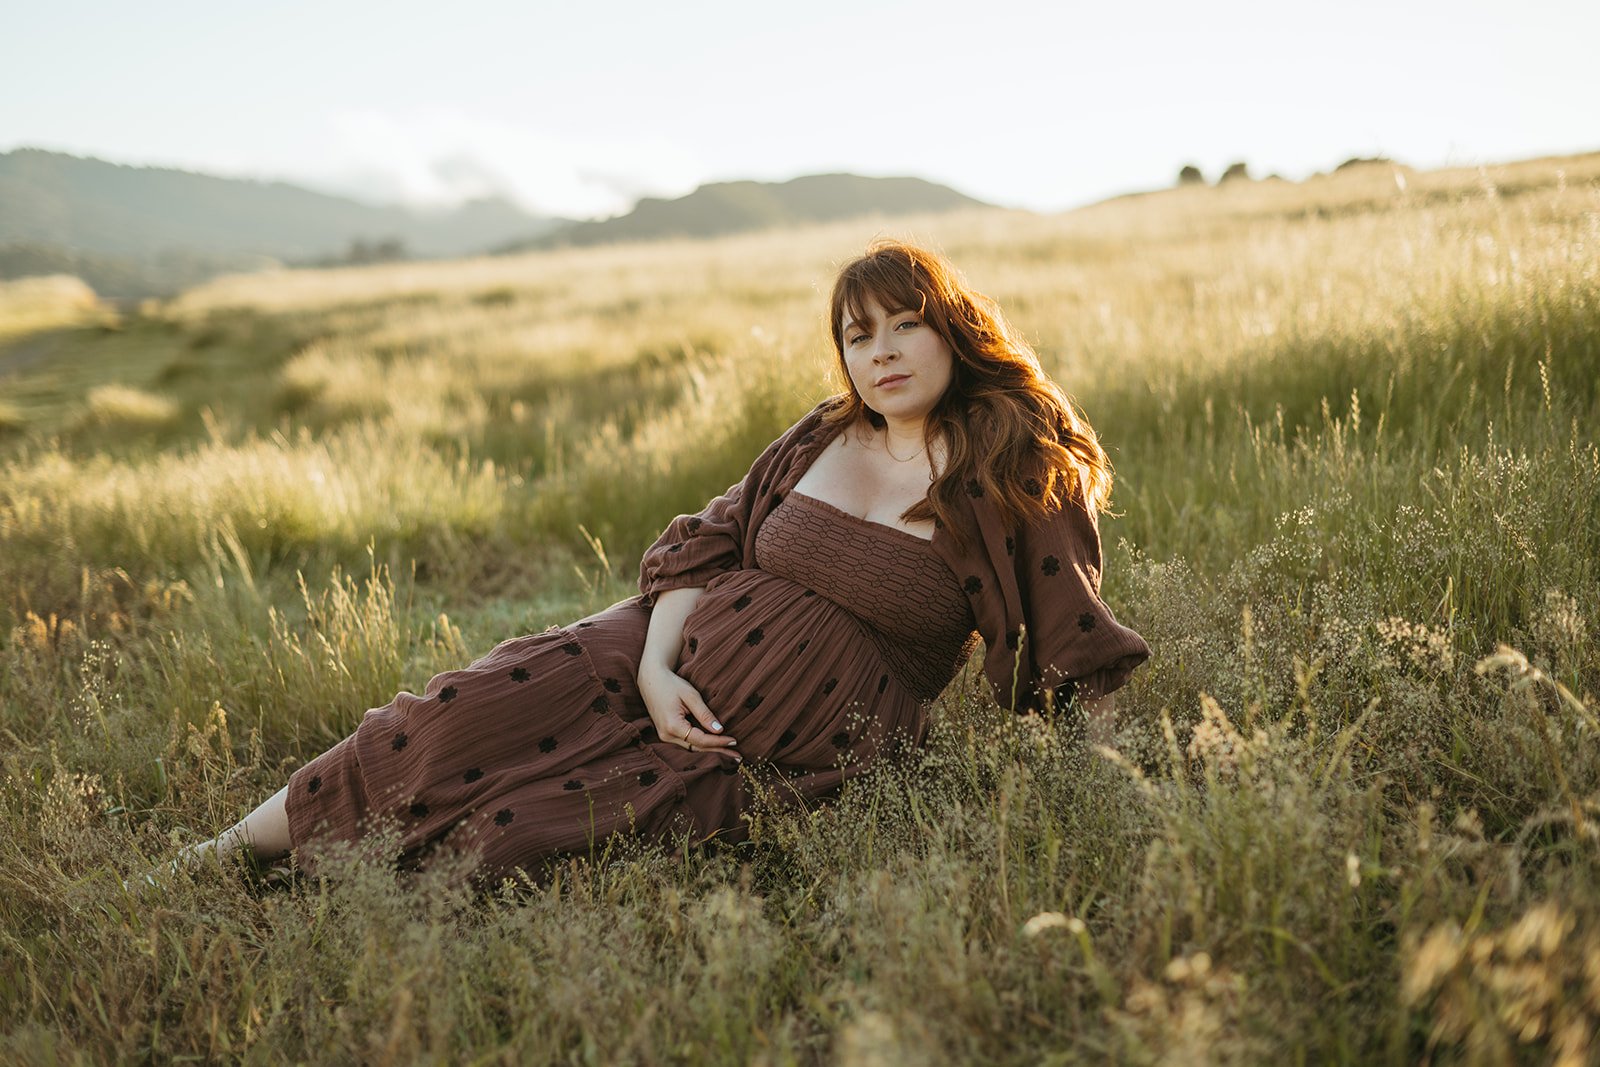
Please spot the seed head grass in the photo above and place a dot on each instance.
(1348, 813)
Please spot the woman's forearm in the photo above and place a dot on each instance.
(664, 639)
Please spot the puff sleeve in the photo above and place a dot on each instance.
(1075, 643)
(696, 548)
(721, 537)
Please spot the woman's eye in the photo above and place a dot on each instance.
(862, 337)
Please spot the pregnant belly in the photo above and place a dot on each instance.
(791, 674)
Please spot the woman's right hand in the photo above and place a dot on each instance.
(678, 712)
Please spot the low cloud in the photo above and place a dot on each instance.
(440, 157)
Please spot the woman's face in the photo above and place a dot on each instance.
(897, 362)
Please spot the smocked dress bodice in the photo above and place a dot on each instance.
(904, 598)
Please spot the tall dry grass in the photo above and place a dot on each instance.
(1349, 815)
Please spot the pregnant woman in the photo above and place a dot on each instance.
(787, 635)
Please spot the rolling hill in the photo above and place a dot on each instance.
(729, 207)
(132, 231)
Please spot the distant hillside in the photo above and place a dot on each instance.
(134, 230)
(729, 207)
(141, 231)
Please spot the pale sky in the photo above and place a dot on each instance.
(577, 108)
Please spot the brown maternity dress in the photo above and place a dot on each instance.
(818, 642)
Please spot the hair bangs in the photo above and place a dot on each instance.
(894, 290)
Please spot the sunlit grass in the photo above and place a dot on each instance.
(1352, 422)
(31, 304)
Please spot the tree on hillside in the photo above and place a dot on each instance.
(1235, 171)
(1190, 175)
(1361, 161)
(387, 250)
(361, 253)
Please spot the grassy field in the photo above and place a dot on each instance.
(1353, 810)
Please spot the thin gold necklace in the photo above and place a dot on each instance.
(909, 458)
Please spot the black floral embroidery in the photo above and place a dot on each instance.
(754, 637)
(694, 524)
(572, 648)
(447, 694)
(503, 817)
(572, 785)
(883, 683)
(315, 784)
(786, 739)
(840, 740)
(647, 778)
(472, 775)
(419, 810)
(399, 742)
(828, 686)
(600, 705)
(676, 548)
(547, 745)
(1086, 622)
(809, 592)
(973, 585)
(742, 603)
(1051, 566)
(694, 643)
(612, 685)
(583, 625)
(801, 647)
(974, 490)
(753, 701)
(520, 674)
(777, 498)
(1011, 546)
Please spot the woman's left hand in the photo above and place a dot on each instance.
(678, 711)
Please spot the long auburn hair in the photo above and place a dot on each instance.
(1011, 432)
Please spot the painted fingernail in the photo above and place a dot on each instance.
(715, 725)
(732, 742)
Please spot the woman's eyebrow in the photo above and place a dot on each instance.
(891, 313)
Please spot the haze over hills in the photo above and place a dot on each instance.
(729, 207)
(133, 231)
(122, 210)
(139, 231)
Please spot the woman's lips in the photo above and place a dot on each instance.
(892, 381)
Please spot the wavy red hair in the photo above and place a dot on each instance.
(1007, 427)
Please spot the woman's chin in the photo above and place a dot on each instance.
(908, 409)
